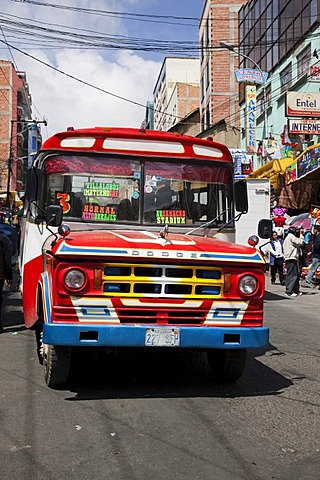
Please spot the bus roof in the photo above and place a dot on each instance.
(137, 141)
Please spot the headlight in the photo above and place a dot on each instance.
(75, 279)
(248, 284)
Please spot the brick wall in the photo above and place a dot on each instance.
(222, 99)
(188, 98)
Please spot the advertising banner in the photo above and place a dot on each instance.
(308, 162)
(242, 162)
(251, 103)
(310, 127)
(314, 73)
(302, 104)
(250, 75)
(291, 174)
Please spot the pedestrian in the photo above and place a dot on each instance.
(276, 258)
(291, 248)
(5, 266)
(315, 257)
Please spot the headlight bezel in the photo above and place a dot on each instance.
(246, 280)
(71, 285)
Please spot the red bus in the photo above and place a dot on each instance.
(127, 242)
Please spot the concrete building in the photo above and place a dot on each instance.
(176, 92)
(219, 98)
(189, 125)
(148, 121)
(283, 39)
(15, 107)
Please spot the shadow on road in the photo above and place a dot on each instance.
(170, 374)
(12, 316)
(275, 296)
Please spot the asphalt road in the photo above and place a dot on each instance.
(158, 415)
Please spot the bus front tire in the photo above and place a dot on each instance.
(56, 361)
(227, 365)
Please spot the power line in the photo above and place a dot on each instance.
(84, 82)
(68, 38)
(147, 17)
(126, 15)
(88, 45)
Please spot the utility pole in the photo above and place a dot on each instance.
(232, 48)
(9, 167)
(10, 159)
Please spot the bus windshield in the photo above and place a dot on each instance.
(139, 190)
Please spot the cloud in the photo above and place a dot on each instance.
(67, 102)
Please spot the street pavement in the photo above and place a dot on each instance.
(309, 294)
(157, 416)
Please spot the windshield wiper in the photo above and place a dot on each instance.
(208, 224)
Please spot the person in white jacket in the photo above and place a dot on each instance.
(291, 248)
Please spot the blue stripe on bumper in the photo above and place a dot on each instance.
(134, 336)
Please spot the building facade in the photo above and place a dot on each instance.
(282, 37)
(176, 92)
(15, 108)
(218, 87)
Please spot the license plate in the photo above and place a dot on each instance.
(162, 337)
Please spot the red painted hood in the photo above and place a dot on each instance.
(144, 244)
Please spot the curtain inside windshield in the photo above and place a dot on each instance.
(99, 189)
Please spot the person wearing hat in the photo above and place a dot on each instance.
(315, 257)
(291, 250)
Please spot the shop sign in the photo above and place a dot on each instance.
(239, 156)
(251, 75)
(242, 162)
(308, 162)
(314, 73)
(291, 174)
(302, 104)
(251, 102)
(307, 127)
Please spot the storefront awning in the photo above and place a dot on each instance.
(273, 169)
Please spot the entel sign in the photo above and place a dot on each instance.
(301, 104)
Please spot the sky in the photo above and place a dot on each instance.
(110, 54)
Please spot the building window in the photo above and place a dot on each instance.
(202, 89)
(207, 117)
(286, 78)
(207, 34)
(287, 23)
(260, 104)
(303, 61)
(268, 95)
(260, 108)
(202, 49)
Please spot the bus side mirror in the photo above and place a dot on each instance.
(54, 216)
(33, 184)
(265, 228)
(241, 196)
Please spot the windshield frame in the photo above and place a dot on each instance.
(144, 161)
